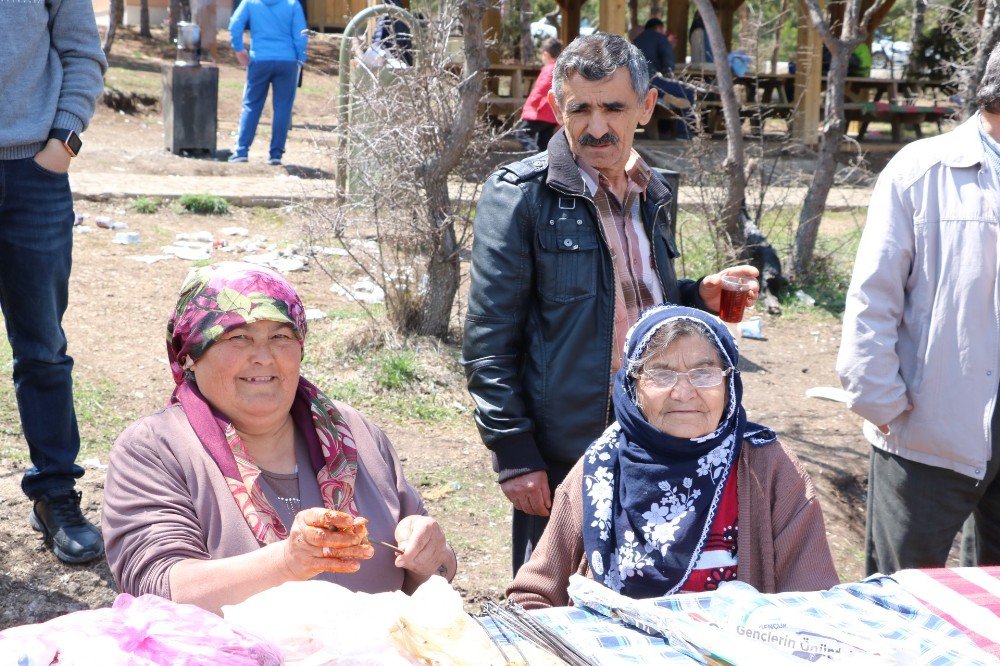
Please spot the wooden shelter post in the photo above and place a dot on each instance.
(808, 80)
(569, 27)
(725, 10)
(677, 23)
(611, 14)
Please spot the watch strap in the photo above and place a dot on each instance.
(70, 139)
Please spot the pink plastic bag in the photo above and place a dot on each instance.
(149, 630)
(167, 633)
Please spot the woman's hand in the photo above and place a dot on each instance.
(324, 540)
(710, 289)
(425, 549)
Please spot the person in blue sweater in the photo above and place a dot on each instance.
(51, 74)
(277, 50)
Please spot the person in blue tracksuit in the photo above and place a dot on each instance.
(277, 51)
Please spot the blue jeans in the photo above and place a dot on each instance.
(36, 246)
(281, 76)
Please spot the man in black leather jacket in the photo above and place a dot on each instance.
(545, 302)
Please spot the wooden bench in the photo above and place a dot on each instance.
(897, 115)
(713, 119)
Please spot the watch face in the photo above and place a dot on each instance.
(74, 143)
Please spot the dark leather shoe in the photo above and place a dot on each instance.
(72, 537)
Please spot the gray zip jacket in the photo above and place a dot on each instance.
(922, 322)
(51, 71)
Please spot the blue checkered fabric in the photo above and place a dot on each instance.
(876, 606)
(603, 640)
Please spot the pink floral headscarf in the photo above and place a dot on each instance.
(218, 298)
(214, 300)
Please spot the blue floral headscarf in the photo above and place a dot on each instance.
(650, 497)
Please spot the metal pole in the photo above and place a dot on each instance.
(345, 76)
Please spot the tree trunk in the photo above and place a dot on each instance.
(748, 32)
(633, 17)
(852, 33)
(917, 20)
(527, 41)
(733, 165)
(655, 9)
(443, 271)
(916, 30)
(116, 15)
(826, 163)
(144, 19)
(988, 35)
(776, 44)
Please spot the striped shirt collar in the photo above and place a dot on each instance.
(638, 172)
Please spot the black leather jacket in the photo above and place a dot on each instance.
(539, 329)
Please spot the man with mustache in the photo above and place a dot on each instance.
(570, 246)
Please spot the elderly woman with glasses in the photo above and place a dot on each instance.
(252, 476)
(681, 492)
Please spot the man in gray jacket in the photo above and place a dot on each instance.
(570, 246)
(920, 352)
(51, 72)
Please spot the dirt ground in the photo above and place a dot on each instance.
(116, 326)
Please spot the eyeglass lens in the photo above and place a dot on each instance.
(699, 377)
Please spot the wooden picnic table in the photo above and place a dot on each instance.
(763, 96)
(902, 103)
(893, 91)
(520, 77)
(769, 89)
(508, 85)
(898, 116)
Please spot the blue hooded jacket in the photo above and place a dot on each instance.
(277, 29)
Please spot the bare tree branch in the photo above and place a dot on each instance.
(852, 33)
(414, 141)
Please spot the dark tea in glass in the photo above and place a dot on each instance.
(735, 291)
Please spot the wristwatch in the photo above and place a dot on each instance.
(69, 139)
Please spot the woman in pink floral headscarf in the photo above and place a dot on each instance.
(252, 477)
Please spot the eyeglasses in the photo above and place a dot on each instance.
(699, 377)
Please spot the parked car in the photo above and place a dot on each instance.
(890, 54)
(543, 29)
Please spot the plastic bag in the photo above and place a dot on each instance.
(23, 646)
(433, 628)
(142, 631)
(318, 622)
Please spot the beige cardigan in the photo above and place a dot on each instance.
(781, 545)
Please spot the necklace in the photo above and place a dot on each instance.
(292, 503)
